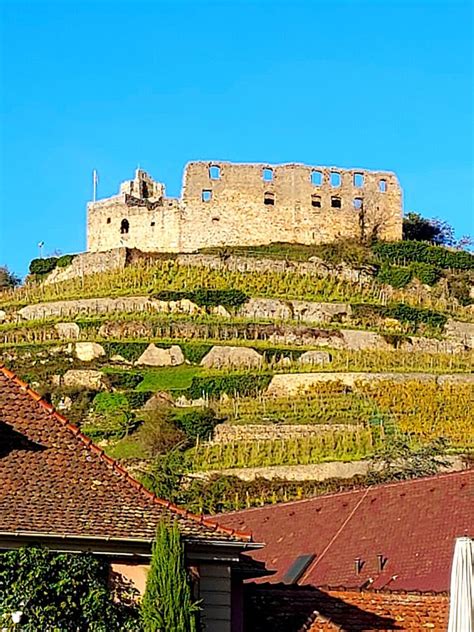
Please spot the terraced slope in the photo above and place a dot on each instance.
(186, 367)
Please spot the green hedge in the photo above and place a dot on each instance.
(45, 266)
(402, 312)
(242, 383)
(205, 297)
(421, 252)
(400, 276)
(122, 380)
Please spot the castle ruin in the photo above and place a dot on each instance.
(228, 204)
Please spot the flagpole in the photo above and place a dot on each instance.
(94, 185)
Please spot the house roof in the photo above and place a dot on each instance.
(398, 536)
(55, 481)
(304, 609)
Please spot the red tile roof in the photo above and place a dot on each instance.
(411, 525)
(55, 481)
(304, 609)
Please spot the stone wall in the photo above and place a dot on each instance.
(248, 204)
(225, 433)
(293, 384)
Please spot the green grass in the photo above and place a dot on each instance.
(168, 378)
(126, 448)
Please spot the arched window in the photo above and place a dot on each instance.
(124, 227)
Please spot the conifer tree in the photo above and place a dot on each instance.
(167, 604)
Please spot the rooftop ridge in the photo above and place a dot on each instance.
(115, 465)
(360, 490)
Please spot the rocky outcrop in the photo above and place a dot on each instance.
(84, 378)
(155, 356)
(68, 331)
(3, 316)
(460, 332)
(315, 357)
(159, 400)
(266, 308)
(236, 357)
(89, 351)
(305, 311)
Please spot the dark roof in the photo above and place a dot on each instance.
(55, 481)
(304, 609)
(411, 525)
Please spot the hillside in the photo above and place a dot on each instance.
(289, 366)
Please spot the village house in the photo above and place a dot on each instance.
(59, 490)
(369, 559)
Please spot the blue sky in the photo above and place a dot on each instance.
(109, 85)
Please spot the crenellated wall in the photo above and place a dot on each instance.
(224, 203)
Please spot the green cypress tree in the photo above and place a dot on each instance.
(167, 604)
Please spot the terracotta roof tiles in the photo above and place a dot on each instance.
(398, 536)
(55, 481)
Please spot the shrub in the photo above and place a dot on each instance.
(205, 297)
(131, 351)
(125, 380)
(416, 315)
(137, 399)
(158, 434)
(396, 276)
(408, 251)
(241, 383)
(418, 228)
(167, 603)
(425, 272)
(60, 592)
(65, 261)
(8, 279)
(43, 266)
(198, 423)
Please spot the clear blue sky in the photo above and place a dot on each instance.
(108, 85)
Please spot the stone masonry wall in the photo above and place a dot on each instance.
(248, 204)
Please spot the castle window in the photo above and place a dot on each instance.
(214, 172)
(108, 220)
(358, 180)
(216, 219)
(152, 224)
(316, 201)
(145, 192)
(267, 175)
(316, 178)
(335, 179)
(382, 186)
(336, 202)
(269, 198)
(358, 203)
(124, 227)
(206, 195)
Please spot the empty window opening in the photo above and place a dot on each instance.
(316, 201)
(152, 223)
(206, 195)
(216, 219)
(316, 178)
(336, 202)
(335, 179)
(358, 180)
(214, 172)
(269, 198)
(145, 192)
(382, 186)
(358, 203)
(267, 174)
(108, 220)
(124, 227)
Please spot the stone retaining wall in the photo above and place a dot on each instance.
(226, 433)
(320, 472)
(292, 384)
